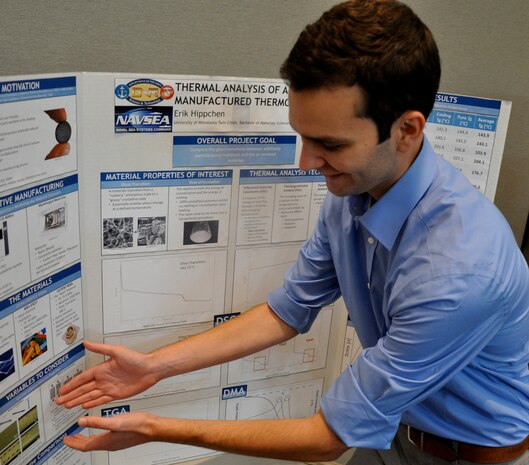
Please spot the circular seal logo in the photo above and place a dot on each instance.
(122, 91)
(144, 92)
(166, 92)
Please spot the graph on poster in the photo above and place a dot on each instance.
(177, 289)
(290, 401)
(258, 271)
(303, 353)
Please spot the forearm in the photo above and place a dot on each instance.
(297, 439)
(254, 330)
(308, 439)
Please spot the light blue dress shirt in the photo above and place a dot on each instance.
(438, 292)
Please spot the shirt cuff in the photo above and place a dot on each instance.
(297, 316)
(354, 419)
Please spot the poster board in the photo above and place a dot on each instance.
(140, 210)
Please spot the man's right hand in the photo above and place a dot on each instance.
(125, 373)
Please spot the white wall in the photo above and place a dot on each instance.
(483, 46)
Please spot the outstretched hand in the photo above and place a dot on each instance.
(123, 431)
(124, 374)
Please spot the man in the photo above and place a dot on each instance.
(428, 268)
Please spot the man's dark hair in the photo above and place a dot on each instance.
(380, 45)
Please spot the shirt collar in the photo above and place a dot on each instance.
(385, 219)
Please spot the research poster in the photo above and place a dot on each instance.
(41, 312)
(186, 210)
(202, 238)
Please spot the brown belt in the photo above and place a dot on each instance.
(450, 451)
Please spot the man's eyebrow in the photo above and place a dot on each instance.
(327, 140)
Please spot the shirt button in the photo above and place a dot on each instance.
(370, 240)
(369, 286)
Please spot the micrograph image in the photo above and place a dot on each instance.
(118, 233)
(34, 346)
(201, 232)
(9, 444)
(28, 425)
(151, 230)
(7, 364)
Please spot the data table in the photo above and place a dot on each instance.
(470, 133)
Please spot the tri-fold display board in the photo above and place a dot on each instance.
(142, 209)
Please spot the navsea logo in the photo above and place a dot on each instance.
(143, 119)
(234, 392)
(144, 92)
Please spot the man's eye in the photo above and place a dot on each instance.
(331, 147)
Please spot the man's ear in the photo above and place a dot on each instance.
(410, 128)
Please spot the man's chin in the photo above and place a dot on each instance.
(334, 186)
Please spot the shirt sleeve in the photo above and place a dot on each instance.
(309, 285)
(436, 329)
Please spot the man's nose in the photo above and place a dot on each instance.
(310, 159)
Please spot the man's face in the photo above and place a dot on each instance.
(341, 145)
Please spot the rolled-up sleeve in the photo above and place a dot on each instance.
(309, 285)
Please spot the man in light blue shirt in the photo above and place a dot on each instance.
(428, 268)
(438, 294)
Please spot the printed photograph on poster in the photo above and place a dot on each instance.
(34, 346)
(151, 230)
(8, 368)
(7, 364)
(199, 103)
(4, 240)
(21, 433)
(38, 129)
(118, 233)
(201, 232)
(19, 436)
(15, 269)
(134, 233)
